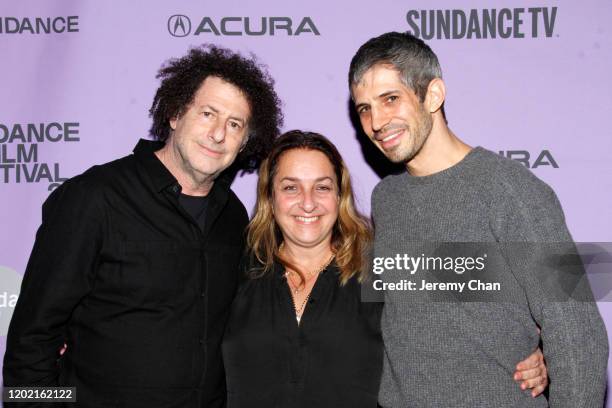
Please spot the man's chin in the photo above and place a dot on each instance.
(397, 157)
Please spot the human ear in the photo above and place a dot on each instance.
(173, 121)
(436, 93)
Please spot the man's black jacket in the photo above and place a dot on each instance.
(139, 293)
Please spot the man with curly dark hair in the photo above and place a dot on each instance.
(182, 78)
(136, 261)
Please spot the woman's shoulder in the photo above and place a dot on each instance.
(354, 288)
(254, 274)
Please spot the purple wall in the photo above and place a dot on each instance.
(546, 94)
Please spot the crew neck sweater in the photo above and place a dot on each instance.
(463, 354)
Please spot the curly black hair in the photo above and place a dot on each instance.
(182, 77)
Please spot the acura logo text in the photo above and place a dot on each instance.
(179, 25)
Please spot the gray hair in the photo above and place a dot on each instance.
(409, 55)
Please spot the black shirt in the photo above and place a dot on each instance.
(124, 275)
(196, 207)
(332, 359)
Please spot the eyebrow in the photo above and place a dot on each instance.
(298, 179)
(381, 96)
(215, 110)
(385, 94)
(361, 105)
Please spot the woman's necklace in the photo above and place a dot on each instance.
(299, 312)
(296, 289)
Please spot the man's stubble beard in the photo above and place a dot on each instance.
(403, 154)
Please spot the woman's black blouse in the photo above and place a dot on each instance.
(332, 359)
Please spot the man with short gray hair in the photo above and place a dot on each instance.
(459, 354)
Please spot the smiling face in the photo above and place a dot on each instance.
(208, 136)
(391, 114)
(305, 198)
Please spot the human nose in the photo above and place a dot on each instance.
(379, 118)
(217, 133)
(308, 202)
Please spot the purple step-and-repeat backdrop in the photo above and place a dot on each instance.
(528, 80)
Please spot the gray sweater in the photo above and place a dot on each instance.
(463, 354)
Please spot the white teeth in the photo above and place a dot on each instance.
(391, 136)
(307, 219)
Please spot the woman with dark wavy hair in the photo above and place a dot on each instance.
(298, 333)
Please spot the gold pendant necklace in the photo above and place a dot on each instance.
(299, 311)
(299, 287)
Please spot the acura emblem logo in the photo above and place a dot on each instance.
(179, 25)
